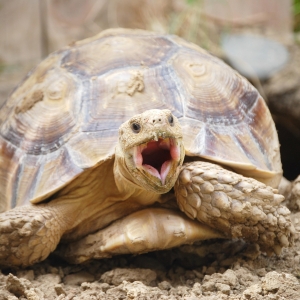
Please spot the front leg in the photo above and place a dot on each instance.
(238, 206)
(142, 231)
(28, 234)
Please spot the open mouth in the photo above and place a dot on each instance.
(157, 157)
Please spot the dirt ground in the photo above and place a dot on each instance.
(210, 270)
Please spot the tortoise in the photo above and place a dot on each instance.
(133, 141)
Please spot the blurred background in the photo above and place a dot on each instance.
(260, 38)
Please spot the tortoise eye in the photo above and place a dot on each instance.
(136, 127)
(171, 120)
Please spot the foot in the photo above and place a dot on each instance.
(143, 231)
(238, 206)
(28, 234)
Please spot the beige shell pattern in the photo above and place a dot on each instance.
(64, 116)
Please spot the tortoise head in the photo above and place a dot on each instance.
(151, 148)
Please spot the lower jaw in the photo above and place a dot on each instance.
(154, 184)
(164, 172)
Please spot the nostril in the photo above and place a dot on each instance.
(156, 121)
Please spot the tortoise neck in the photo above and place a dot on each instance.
(126, 185)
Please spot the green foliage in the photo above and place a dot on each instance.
(296, 11)
(296, 7)
(191, 1)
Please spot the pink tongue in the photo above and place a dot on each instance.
(152, 171)
(165, 168)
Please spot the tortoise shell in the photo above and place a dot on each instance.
(64, 116)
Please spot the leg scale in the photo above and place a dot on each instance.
(238, 206)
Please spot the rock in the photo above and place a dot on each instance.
(34, 294)
(271, 282)
(59, 290)
(220, 282)
(44, 281)
(253, 292)
(164, 285)
(53, 278)
(282, 284)
(17, 286)
(223, 288)
(230, 278)
(246, 277)
(78, 278)
(137, 290)
(116, 293)
(117, 276)
(21, 287)
(208, 286)
(29, 275)
(197, 289)
(261, 272)
(95, 286)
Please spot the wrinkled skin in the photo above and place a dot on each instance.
(130, 209)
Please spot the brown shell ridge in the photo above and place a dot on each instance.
(256, 154)
(64, 165)
(114, 59)
(38, 150)
(243, 154)
(9, 168)
(29, 73)
(141, 67)
(34, 177)
(50, 176)
(117, 32)
(177, 86)
(53, 58)
(27, 129)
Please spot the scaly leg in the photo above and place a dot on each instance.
(143, 231)
(29, 233)
(238, 206)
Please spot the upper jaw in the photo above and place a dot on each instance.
(158, 160)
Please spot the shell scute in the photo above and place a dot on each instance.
(101, 56)
(45, 175)
(42, 125)
(110, 94)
